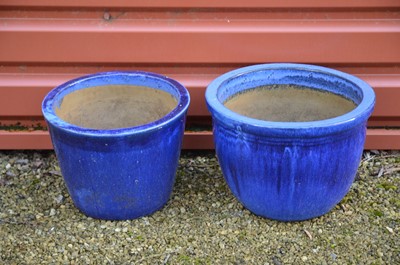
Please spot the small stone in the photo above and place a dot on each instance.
(390, 229)
(146, 221)
(37, 164)
(52, 212)
(117, 230)
(223, 232)
(308, 233)
(25, 168)
(55, 172)
(182, 210)
(59, 199)
(276, 261)
(304, 258)
(10, 174)
(8, 166)
(22, 161)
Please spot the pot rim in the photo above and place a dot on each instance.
(176, 113)
(327, 126)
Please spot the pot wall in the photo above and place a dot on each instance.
(289, 171)
(289, 179)
(121, 173)
(119, 177)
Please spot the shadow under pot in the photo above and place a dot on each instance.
(289, 137)
(117, 137)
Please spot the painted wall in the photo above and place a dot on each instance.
(44, 43)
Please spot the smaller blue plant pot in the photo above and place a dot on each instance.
(289, 171)
(118, 174)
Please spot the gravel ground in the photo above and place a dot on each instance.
(201, 224)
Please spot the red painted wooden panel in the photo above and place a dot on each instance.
(376, 139)
(44, 43)
(34, 87)
(53, 41)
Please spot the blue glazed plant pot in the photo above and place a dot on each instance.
(289, 171)
(118, 173)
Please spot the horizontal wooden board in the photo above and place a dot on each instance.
(22, 94)
(204, 4)
(376, 139)
(159, 41)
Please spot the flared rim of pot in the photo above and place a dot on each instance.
(229, 118)
(86, 81)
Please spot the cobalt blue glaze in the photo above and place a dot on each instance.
(289, 171)
(119, 174)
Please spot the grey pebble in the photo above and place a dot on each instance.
(10, 174)
(59, 199)
(21, 161)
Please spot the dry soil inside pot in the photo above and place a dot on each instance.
(289, 103)
(115, 106)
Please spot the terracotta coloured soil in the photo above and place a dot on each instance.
(116, 106)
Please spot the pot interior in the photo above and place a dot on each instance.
(287, 95)
(288, 103)
(114, 106)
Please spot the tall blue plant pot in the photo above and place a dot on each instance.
(289, 171)
(123, 173)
